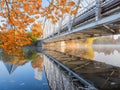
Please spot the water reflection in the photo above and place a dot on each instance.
(22, 72)
(38, 65)
(97, 64)
(59, 79)
(101, 75)
(81, 48)
(36, 72)
(109, 54)
(105, 49)
(95, 60)
(10, 67)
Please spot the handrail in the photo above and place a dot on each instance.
(107, 7)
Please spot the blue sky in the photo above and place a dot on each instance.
(45, 3)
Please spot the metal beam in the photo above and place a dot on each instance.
(107, 27)
(98, 10)
(105, 20)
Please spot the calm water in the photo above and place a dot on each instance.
(109, 54)
(22, 75)
(34, 73)
(104, 49)
(97, 63)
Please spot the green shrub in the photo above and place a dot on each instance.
(34, 39)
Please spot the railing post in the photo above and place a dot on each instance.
(73, 21)
(69, 25)
(47, 33)
(53, 30)
(98, 10)
(60, 25)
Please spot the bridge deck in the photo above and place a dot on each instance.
(86, 25)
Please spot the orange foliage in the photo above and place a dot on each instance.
(17, 60)
(21, 13)
(73, 12)
(37, 30)
(37, 63)
(18, 12)
(12, 41)
(57, 8)
(71, 3)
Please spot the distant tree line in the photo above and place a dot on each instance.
(107, 40)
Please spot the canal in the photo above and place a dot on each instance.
(81, 64)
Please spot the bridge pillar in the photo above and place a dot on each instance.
(98, 9)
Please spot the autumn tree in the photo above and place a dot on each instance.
(57, 8)
(21, 13)
(17, 15)
(12, 40)
(36, 30)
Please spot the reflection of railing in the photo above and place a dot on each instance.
(99, 10)
(102, 75)
(62, 78)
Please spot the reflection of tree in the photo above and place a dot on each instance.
(31, 55)
(21, 58)
(107, 40)
(28, 54)
(16, 60)
(37, 63)
(106, 49)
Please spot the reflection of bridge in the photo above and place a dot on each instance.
(94, 18)
(62, 78)
(103, 76)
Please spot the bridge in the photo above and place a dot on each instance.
(94, 18)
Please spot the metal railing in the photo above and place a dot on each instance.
(88, 14)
